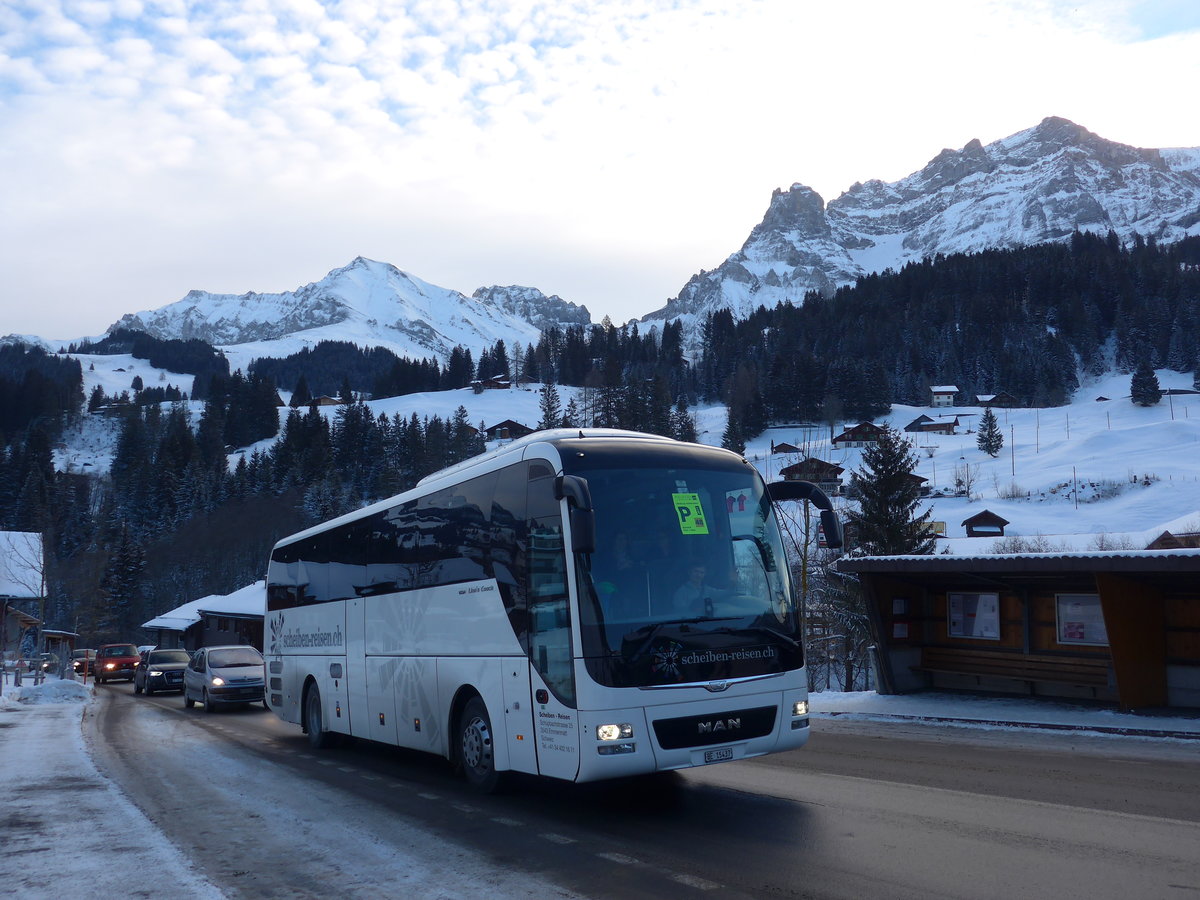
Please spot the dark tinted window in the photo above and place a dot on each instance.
(120, 650)
(234, 656)
(168, 656)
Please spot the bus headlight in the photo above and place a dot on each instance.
(614, 732)
(800, 708)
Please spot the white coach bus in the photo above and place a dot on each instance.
(579, 604)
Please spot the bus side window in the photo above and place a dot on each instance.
(509, 544)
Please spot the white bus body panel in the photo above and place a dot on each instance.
(304, 641)
(356, 665)
(420, 722)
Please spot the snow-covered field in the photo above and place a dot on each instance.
(1095, 474)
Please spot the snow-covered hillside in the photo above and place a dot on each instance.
(1035, 186)
(1090, 474)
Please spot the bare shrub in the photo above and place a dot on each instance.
(1037, 543)
(1111, 542)
(1011, 491)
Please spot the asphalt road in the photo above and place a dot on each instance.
(865, 810)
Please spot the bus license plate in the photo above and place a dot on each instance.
(711, 756)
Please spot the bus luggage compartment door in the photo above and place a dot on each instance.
(557, 728)
(518, 716)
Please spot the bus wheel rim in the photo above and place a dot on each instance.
(477, 744)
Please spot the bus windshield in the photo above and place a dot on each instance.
(689, 580)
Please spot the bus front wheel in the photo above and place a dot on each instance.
(314, 725)
(477, 751)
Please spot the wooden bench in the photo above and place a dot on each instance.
(1080, 671)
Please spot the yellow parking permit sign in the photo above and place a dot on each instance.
(690, 514)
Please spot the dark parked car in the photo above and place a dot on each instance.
(83, 661)
(223, 675)
(161, 670)
(116, 661)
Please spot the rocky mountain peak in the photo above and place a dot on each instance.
(533, 306)
(799, 209)
(1037, 185)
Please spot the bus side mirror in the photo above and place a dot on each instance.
(583, 519)
(806, 490)
(583, 530)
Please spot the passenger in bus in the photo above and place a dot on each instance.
(621, 582)
(695, 596)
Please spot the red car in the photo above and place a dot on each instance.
(116, 661)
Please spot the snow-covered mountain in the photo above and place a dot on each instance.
(366, 302)
(1036, 186)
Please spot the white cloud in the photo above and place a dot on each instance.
(604, 151)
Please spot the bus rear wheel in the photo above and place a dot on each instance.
(477, 749)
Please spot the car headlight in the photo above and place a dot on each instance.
(614, 732)
(800, 708)
(217, 681)
(110, 665)
(154, 673)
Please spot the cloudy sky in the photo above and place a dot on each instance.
(601, 150)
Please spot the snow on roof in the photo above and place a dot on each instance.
(1096, 560)
(944, 389)
(250, 600)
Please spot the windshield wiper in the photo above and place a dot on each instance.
(762, 629)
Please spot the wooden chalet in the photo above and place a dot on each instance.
(1169, 541)
(217, 619)
(1000, 400)
(921, 482)
(941, 395)
(864, 434)
(929, 425)
(506, 431)
(495, 383)
(824, 475)
(985, 524)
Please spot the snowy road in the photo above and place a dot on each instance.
(867, 810)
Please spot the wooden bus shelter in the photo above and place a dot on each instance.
(1115, 626)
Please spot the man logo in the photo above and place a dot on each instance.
(715, 725)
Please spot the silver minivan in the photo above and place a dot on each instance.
(218, 676)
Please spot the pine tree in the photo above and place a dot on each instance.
(123, 585)
(990, 439)
(1143, 387)
(570, 416)
(886, 523)
(301, 396)
(733, 438)
(549, 405)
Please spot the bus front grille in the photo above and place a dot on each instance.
(715, 728)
